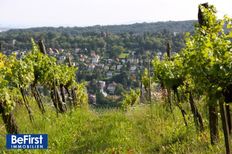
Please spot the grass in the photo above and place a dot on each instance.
(142, 129)
(123, 55)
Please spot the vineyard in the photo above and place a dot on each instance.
(202, 68)
(20, 80)
(193, 115)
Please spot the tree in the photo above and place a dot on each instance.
(116, 51)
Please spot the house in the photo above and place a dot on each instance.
(109, 74)
(136, 61)
(92, 53)
(82, 58)
(123, 57)
(56, 51)
(77, 50)
(131, 60)
(95, 59)
(92, 99)
(106, 67)
(133, 53)
(117, 73)
(91, 67)
(123, 61)
(119, 67)
(101, 66)
(103, 92)
(50, 51)
(74, 64)
(159, 53)
(109, 61)
(113, 68)
(61, 50)
(16, 52)
(133, 69)
(111, 87)
(20, 54)
(102, 85)
(62, 57)
(175, 33)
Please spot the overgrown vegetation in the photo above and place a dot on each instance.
(145, 129)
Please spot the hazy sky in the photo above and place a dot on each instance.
(33, 13)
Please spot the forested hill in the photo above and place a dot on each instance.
(171, 26)
(137, 37)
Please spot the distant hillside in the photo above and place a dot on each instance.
(137, 37)
(171, 26)
(3, 29)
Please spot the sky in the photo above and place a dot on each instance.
(37, 13)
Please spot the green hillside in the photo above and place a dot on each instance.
(143, 129)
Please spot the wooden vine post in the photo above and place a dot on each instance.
(149, 75)
(174, 88)
(141, 63)
(169, 92)
(228, 117)
(28, 107)
(201, 19)
(212, 104)
(9, 120)
(73, 92)
(224, 124)
(168, 50)
(55, 93)
(34, 89)
(228, 100)
(213, 120)
(42, 47)
(196, 115)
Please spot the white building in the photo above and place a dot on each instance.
(119, 67)
(95, 59)
(109, 74)
(133, 69)
(111, 88)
